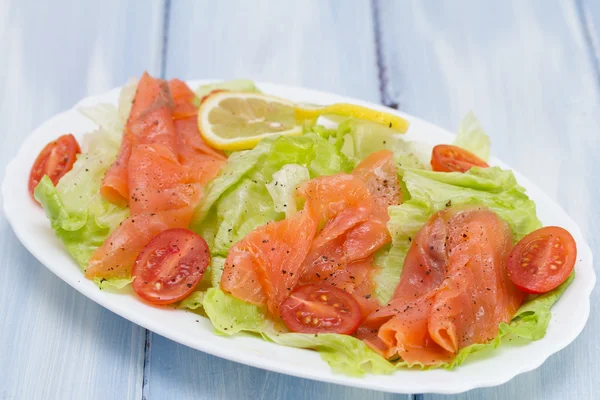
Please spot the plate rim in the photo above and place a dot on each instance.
(459, 386)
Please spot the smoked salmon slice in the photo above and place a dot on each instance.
(264, 267)
(268, 264)
(160, 171)
(150, 121)
(202, 161)
(342, 252)
(454, 289)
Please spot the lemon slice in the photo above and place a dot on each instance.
(352, 110)
(237, 121)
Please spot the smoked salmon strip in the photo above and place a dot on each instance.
(201, 161)
(342, 253)
(351, 212)
(150, 121)
(264, 267)
(160, 171)
(454, 290)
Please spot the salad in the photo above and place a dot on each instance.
(315, 227)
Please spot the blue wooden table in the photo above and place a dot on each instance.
(530, 70)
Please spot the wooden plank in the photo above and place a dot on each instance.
(319, 44)
(55, 342)
(589, 11)
(524, 68)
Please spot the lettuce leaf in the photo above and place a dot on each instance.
(283, 187)
(236, 85)
(343, 353)
(471, 137)
(230, 315)
(238, 200)
(493, 187)
(78, 214)
(193, 301)
(358, 139)
(113, 284)
(126, 99)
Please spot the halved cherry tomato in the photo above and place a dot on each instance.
(542, 260)
(448, 158)
(55, 160)
(170, 266)
(321, 309)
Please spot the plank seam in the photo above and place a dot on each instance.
(589, 37)
(147, 359)
(165, 38)
(381, 70)
(163, 70)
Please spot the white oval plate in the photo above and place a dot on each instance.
(33, 230)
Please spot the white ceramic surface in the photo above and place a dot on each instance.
(32, 228)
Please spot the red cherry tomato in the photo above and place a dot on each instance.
(542, 260)
(169, 268)
(321, 308)
(55, 160)
(448, 158)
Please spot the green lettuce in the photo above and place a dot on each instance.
(230, 315)
(358, 139)
(211, 278)
(343, 353)
(78, 214)
(238, 200)
(126, 100)
(193, 301)
(471, 137)
(283, 187)
(235, 85)
(113, 284)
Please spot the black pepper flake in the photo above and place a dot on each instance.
(449, 203)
